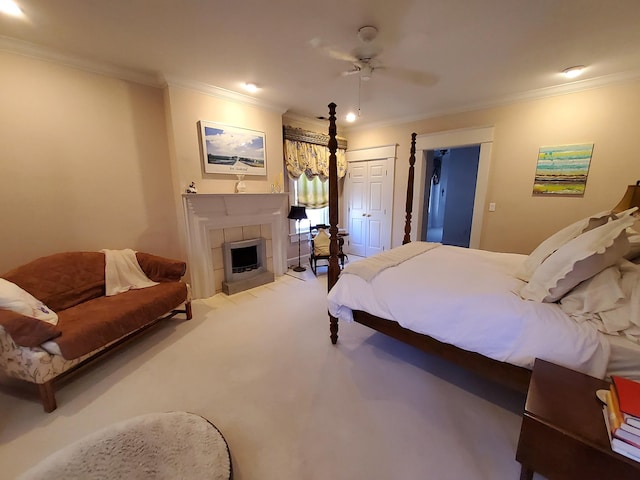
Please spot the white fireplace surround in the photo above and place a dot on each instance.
(209, 211)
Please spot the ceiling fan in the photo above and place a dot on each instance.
(364, 59)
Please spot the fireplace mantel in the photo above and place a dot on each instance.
(207, 211)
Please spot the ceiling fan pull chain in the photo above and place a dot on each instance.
(359, 90)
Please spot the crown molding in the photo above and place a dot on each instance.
(20, 47)
(174, 81)
(556, 90)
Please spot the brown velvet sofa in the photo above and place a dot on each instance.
(72, 284)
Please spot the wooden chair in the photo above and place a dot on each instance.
(314, 256)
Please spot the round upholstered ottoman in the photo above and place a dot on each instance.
(175, 445)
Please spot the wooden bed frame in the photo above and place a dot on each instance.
(511, 376)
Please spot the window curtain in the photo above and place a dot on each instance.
(306, 152)
(311, 159)
(313, 193)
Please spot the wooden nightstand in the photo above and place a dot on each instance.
(563, 435)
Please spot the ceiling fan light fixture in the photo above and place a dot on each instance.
(573, 72)
(367, 33)
(350, 117)
(365, 72)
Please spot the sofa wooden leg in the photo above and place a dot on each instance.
(47, 396)
(189, 312)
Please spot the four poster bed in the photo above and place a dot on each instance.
(494, 313)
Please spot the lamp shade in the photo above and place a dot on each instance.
(297, 213)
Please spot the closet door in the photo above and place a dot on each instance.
(357, 208)
(369, 197)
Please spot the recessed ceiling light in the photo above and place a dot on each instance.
(573, 72)
(10, 8)
(250, 87)
(351, 117)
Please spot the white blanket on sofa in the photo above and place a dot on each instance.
(123, 272)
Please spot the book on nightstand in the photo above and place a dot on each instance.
(623, 435)
(627, 393)
(618, 445)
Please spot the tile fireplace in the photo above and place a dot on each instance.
(213, 220)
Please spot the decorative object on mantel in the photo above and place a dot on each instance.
(192, 188)
(232, 150)
(562, 170)
(298, 213)
(241, 187)
(278, 186)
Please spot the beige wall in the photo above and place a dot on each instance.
(184, 109)
(90, 162)
(84, 163)
(607, 116)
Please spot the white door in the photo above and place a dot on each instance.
(376, 208)
(356, 208)
(368, 199)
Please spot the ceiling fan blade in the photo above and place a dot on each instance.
(339, 55)
(350, 72)
(332, 51)
(412, 76)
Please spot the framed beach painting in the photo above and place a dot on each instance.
(562, 170)
(232, 150)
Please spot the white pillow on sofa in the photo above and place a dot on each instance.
(14, 298)
(578, 260)
(557, 240)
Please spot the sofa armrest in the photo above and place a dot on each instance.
(27, 331)
(161, 269)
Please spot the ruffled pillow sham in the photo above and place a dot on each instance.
(557, 240)
(609, 300)
(577, 260)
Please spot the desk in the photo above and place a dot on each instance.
(563, 434)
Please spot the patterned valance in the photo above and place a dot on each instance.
(311, 159)
(307, 152)
(307, 136)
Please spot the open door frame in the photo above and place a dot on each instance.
(482, 136)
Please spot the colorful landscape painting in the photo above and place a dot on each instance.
(562, 170)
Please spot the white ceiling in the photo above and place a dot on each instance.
(479, 52)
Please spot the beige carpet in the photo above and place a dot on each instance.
(260, 366)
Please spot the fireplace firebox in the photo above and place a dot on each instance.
(245, 265)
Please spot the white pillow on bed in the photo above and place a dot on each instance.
(14, 298)
(557, 240)
(610, 300)
(578, 260)
(634, 244)
(604, 291)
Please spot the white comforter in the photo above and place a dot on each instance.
(469, 298)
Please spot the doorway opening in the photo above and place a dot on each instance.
(450, 187)
(448, 140)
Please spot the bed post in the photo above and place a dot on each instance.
(409, 206)
(334, 269)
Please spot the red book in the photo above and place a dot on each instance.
(628, 395)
